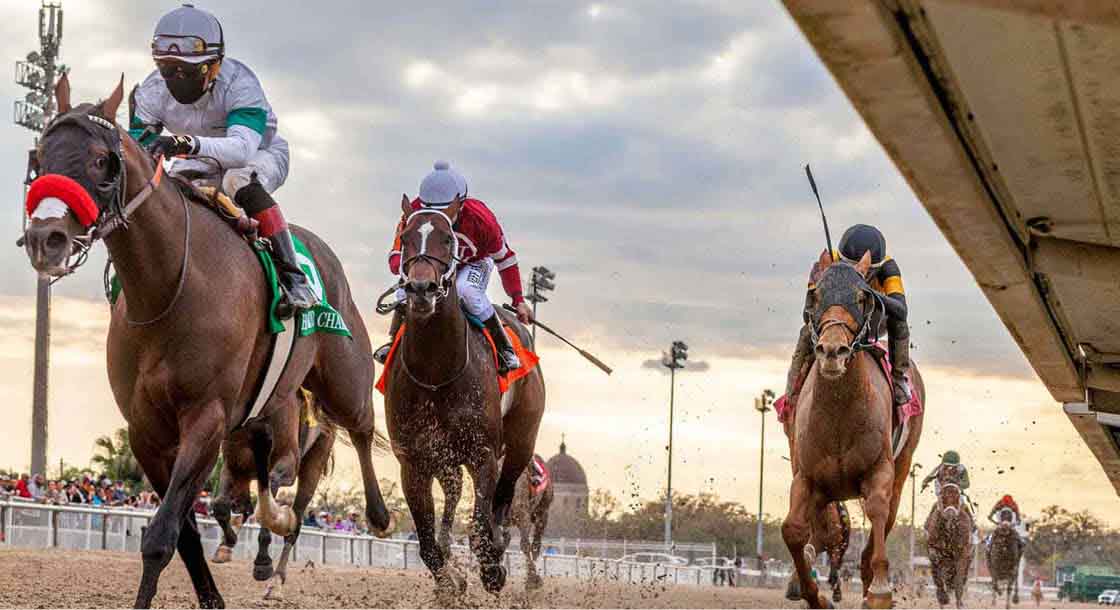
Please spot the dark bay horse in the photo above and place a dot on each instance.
(1004, 551)
(949, 532)
(187, 337)
(842, 428)
(444, 407)
(302, 451)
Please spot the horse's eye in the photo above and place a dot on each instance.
(101, 162)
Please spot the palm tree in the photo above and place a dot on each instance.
(113, 456)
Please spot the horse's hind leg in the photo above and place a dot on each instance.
(200, 437)
(796, 530)
(451, 482)
(233, 492)
(519, 433)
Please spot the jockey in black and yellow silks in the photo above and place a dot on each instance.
(886, 278)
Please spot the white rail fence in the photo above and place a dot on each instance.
(82, 528)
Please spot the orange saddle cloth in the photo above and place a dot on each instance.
(528, 358)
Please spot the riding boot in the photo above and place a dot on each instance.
(801, 355)
(507, 358)
(898, 338)
(296, 293)
(382, 353)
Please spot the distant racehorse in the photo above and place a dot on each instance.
(949, 532)
(1004, 551)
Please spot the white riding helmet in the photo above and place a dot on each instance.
(188, 34)
(439, 188)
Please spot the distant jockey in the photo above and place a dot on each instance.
(482, 247)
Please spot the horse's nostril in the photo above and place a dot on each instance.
(819, 351)
(843, 351)
(57, 240)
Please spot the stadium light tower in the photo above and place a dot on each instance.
(541, 282)
(38, 74)
(762, 405)
(673, 360)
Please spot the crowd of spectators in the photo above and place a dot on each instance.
(86, 489)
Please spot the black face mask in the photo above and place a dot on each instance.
(186, 84)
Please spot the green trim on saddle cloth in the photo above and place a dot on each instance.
(321, 318)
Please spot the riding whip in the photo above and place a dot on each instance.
(813, 185)
(592, 359)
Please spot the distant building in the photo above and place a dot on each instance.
(568, 515)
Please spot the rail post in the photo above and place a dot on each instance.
(54, 528)
(105, 530)
(351, 551)
(369, 552)
(323, 550)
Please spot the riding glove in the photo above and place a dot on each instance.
(170, 146)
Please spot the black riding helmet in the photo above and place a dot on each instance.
(859, 239)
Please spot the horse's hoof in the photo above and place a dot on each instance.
(878, 600)
(262, 571)
(823, 602)
(793, 590)
(275, 590)
(449, 587)
(223, 554)
(533, 582)
(493, 578)
(836, 597)
(389, 529)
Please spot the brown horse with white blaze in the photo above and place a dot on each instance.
(842, 429)
(188, 339)
(444, 406)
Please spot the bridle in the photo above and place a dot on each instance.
(941, 506)
(864, 336)
(114, 210)
(450, 266)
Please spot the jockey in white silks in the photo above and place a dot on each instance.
(215, 110)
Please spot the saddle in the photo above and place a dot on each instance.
(784, 406)
(528, 358)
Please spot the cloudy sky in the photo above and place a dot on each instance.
(648, 152)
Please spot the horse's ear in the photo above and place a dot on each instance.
(406, 204)
(452, 210)
(113, 102)
(62, 93)
(864, 264)
(825, 261)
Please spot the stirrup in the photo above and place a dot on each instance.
(382, 353)
(901, 387)
(508, 361)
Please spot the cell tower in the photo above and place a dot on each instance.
(38, 73)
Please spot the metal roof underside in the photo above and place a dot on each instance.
(1004, 117)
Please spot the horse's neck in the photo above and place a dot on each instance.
(436, 347)
(148, 255)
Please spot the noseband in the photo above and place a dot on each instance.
(450, 266)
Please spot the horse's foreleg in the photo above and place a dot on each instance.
(380, 520)
(877, 506)
(485, 532)
(200, 437)
(525, 526)
(451, 482)
(417, 488)
(796, 530)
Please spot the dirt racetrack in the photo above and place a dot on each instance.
(52, 578)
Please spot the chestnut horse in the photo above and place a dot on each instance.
(949, 532)
(302, 451)
(842, 429)
(188, 338)
(444, 407)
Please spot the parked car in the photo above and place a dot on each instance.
(663, 559)
(1110, 597)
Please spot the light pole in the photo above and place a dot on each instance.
(913, 512)
(541, 281)
(38, 74)
(673, 360)
(762, 405)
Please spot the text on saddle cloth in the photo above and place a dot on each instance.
(528, 358)
(785, 405)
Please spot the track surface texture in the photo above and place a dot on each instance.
(97, 579)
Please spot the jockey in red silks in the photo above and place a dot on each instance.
(1008, 503)
(482, 248)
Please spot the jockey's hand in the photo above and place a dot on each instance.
(172, 146)
(524, 313)
(924, 486)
